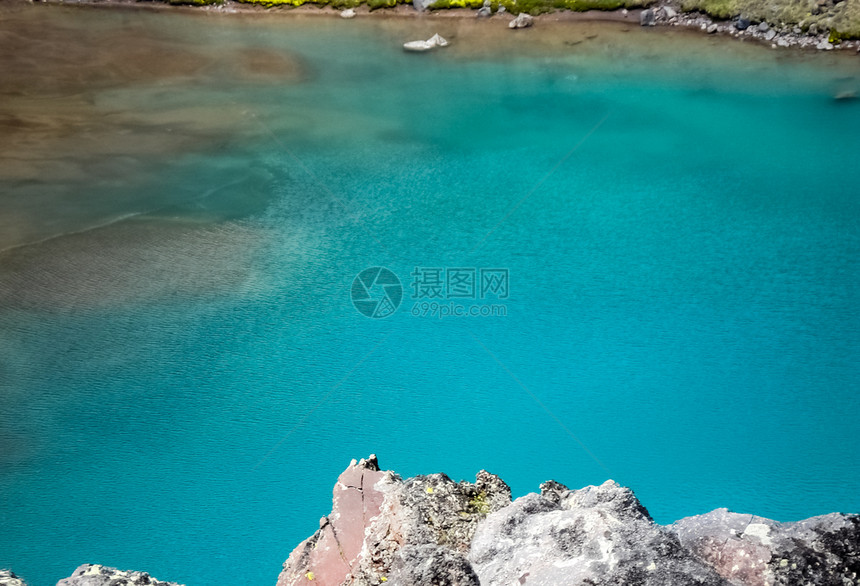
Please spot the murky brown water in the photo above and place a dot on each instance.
(100, 109)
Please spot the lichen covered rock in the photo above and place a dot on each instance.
(96, 575)
(753, 551)
(430, 530)
(599, 535)
(381, 525)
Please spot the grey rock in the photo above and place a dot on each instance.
(742, 23)
(431, 564)
(522, 20)
(769, 35)
(647, 18)
(669, 12)
(430, 530)
(501, 9)
(96, 575)
(484, 12)
(8, 578)
(381, 526)
(553, 491)
(600, 535)
(746, 549)
(813, 29)
(439, 41)
(422, 5)
(824, 46)
(763, 27)
(712, 29)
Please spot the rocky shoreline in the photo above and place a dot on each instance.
(741, 27)
(430, 530)
(805, 34)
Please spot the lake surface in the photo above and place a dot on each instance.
(668, 226)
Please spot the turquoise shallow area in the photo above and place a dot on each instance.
(182, 385)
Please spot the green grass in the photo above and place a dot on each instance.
(843, 17)
(194, 2)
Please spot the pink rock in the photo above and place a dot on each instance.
(328, 557)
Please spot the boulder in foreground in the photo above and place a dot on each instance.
(430, 530)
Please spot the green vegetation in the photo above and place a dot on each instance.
(843, 16)
(715, 8)
(479, 504)
(195, 2)
(338, 4)
(445, 4)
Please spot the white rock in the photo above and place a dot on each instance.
(348, 13)
(522, 20)
(438, 41)
(421, 46)
(418, 46)
(669, 12)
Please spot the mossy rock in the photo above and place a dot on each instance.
(843, 16)
(839, 36)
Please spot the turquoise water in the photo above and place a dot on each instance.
(184, 374)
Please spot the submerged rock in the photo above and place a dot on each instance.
(96, 575)
(522, 20)
(430, 530)
(431, 43)
(438, 40)
(647, 17)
